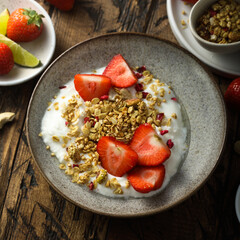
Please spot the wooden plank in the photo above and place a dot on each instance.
(31, 209)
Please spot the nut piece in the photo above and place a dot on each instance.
(6, 117)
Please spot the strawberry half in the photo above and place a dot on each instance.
(120, 73)
(91, 86)
(146, 179)
(116, 157)
(150, 148)
(232, 94)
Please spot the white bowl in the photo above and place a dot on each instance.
(196, 12)
(237, 203)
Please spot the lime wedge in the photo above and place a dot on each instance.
(20, 55)
(4, 16)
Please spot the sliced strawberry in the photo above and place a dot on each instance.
(146, 179)
(116, 157)
(91, 86)
(150, 148)
(120, 73)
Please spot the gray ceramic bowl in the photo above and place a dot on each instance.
(196, 12)
(202, 102)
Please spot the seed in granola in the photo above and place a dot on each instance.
(53, 154)
(101, 175)
(55, 139)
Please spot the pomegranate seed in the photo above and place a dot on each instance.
(174, 99)
(212, 13)
(75, 165)
(97, 118)
(170, 143)
(61, 87)
(86, 119)
(163, 132)
(138, 75)
(104, 97)
(93, 123)
(144, 94)
(141, 69)
(66, 123)
(160, 116)
(91, 186)
(139, 87)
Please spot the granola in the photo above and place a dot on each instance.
(73, 138)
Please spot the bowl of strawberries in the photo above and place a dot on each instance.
(122, 134)
(28, 35)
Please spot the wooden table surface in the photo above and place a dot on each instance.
(31, 209)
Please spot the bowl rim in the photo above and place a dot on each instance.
(194, 32)
(156, 210)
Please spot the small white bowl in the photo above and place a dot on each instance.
(196, 12)
(237, 204)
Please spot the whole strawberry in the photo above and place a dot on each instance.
(6, 59)
(24, 25)
(64, 5)
(232, 95)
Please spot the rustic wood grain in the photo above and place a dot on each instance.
(31, 209)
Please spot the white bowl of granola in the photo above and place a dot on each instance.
(216, 25)
(79, 134)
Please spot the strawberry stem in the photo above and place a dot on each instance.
(34, 17)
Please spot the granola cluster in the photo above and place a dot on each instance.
(118, 117)
(221, 22)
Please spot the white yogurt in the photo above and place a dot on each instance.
(53, 124)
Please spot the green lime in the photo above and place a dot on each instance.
(4, 16)
(20, 55)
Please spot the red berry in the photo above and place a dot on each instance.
(64, 5)
(162, 132)
(144, 94)
(232, 95)
(115, 156)
(174, 99)
(120, 73)
(139, 87)
(91, 86)
(86, 119)
(91, 186)
(75, 165)
(146, 179)
(6, 59)
(138, 75)
(150, 148)
(170, 143)
(24, 25)
(104, 97)
(160, 116)
(141, 69)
